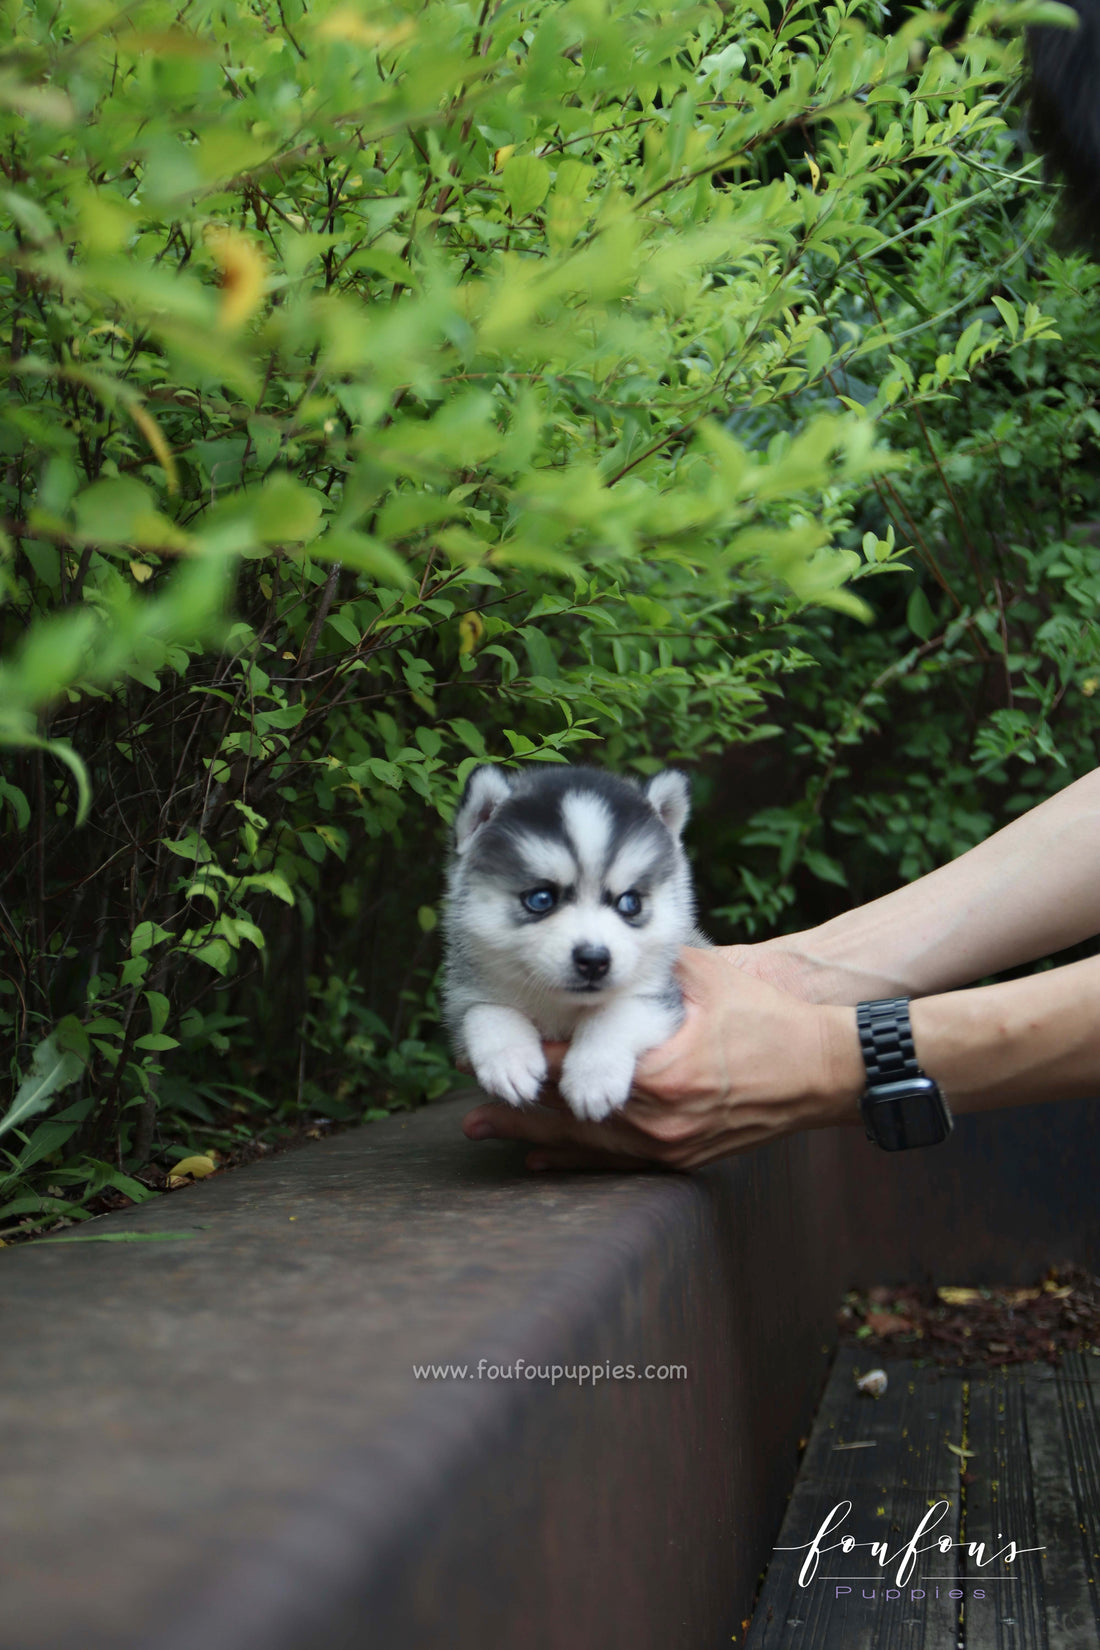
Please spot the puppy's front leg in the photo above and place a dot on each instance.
(597, 1071)
(505, 1052)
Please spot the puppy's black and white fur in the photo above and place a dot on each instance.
(568, 897)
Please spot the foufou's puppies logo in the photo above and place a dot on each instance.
(900, 1567)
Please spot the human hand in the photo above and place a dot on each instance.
(751, 1062)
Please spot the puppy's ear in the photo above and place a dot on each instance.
(486, 789)
(669, 794)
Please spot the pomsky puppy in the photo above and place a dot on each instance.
(568, 898)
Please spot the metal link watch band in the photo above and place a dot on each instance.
(901, 1106)
(886, 1040)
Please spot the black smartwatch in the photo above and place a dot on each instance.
(901, 1106)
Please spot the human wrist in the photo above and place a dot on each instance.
(841, 1074)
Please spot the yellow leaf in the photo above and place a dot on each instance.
(243, 270)
(141, 571)
(191, 1168)
(150, 429)
(963, 1454)
(113, 330)
(345, 23)
(815, 171)
(959, 1297)
(470, 631)
(501, 155)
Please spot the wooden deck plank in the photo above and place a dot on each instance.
(900, 1466)
(999, 1501)
(1063, 1445)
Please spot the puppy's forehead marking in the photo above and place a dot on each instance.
(545, 857)
(588, 823)
(643, 854)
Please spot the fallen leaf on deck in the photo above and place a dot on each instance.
(190, 1168)
(888, 1323)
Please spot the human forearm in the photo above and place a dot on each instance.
(1029, 890)
(1026, 1040)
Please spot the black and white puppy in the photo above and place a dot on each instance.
(568, 898)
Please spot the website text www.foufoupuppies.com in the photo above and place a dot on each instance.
(520, 1369)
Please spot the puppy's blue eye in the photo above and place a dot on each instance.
(629, 904)
(539, 900)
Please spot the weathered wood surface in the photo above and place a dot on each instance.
(1014, 1453)
(221, 1444)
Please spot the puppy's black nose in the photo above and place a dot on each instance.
(591, 961)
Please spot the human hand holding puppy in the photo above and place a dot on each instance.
(748, 1063)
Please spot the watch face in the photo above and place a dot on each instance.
(908, 1113)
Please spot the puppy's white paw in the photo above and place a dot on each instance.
(515, 1073)
(596, 1082)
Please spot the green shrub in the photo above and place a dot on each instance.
(971, 698)
(394, 386)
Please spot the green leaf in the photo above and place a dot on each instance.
(218, 955)
(190, 846)
(919, 615)
(47, 1139)
(1009, 316)
(287, 512)
(270, 882)
(364, 554)
(70, 1033)
(123, 511)
(65, 753)
(470, 736)
(51, 1070)
(19, 804)
(145, 935)
(526, 180)
(826, 869)
(134, 970)
(30, 217)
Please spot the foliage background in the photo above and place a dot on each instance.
(391, 387)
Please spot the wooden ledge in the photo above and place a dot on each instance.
(221, 1441)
